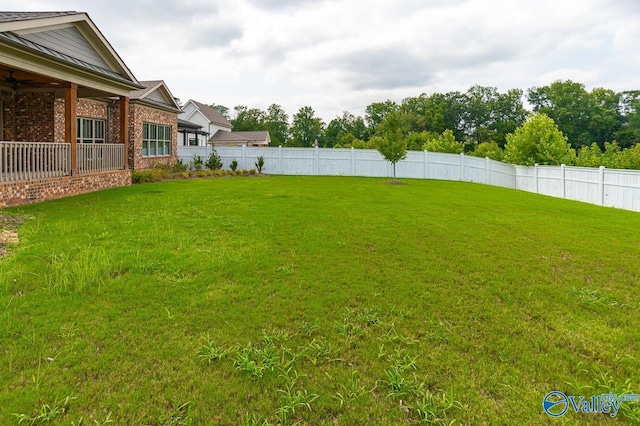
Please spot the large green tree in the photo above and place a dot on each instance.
(306, 128)
(343, 130)
(584, 117)
(277, 123)
(376, 112)
(538, 141)
(629, 133)
(248, 119)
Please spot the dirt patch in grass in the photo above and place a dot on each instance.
(8, 231)
(394, 182)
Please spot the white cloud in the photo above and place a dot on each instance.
(338, 55)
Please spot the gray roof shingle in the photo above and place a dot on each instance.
(223, 136)
(25, 16)
(212, 114)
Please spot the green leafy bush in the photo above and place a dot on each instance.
(539, 141)
(446, 142)
(214, 162)
(234, 165)
(197, 163)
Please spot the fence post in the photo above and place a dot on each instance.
(317, 153)
(244, 156)
(426, 164)
(462, 166)
(535, 174)
(601, 184)
(486, 170)
(563, 180)
(279, 159)
(353, 161)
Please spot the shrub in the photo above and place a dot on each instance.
(260, 164)
(234, 165)
(489, 149)
(179, 166)
(444, 143)
(214, 162)
(197, 163)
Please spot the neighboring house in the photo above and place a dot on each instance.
(188, 133)
(74, 117)
(210, 120)
(221, 138)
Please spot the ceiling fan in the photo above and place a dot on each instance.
(16, 83)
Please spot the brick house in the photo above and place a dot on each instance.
(73, 118)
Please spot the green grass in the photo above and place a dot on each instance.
(318, 301)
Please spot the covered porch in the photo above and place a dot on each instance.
(40, 135)
(64, 102)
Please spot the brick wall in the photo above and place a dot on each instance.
(7, 115)
(34, 114)
(19, 193)
(88, 108)
(28, 117)
(139, 114)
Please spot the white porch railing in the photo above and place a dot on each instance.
(100, 157)
(23, 161)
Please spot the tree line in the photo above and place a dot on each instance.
(586, 128)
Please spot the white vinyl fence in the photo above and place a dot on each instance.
(605, 187)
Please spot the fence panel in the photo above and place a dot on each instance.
(622, 189)
(23, 161)
(581, 184)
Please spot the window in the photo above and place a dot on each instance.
(156, 140)
(193, 142)
(90, 130)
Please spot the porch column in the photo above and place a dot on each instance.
(71, 123)
(124, 129)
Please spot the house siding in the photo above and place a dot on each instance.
(139, 114)
(69, 41)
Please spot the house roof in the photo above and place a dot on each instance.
(184, 124)
(155, 93)
(212, 114)
(66, 46)
(24, 16)
(257, 136)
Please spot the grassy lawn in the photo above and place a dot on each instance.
(338, 301)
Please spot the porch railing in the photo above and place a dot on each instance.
(23, 161)
(100, 157)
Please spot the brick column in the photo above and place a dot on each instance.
(71, 123)
(124, 128)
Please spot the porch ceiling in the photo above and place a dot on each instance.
(19, 80)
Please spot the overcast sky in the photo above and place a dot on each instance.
(338, 55)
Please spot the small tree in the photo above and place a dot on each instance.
(539, 141)
(391, 143)
(260, 164)
(214, 162)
